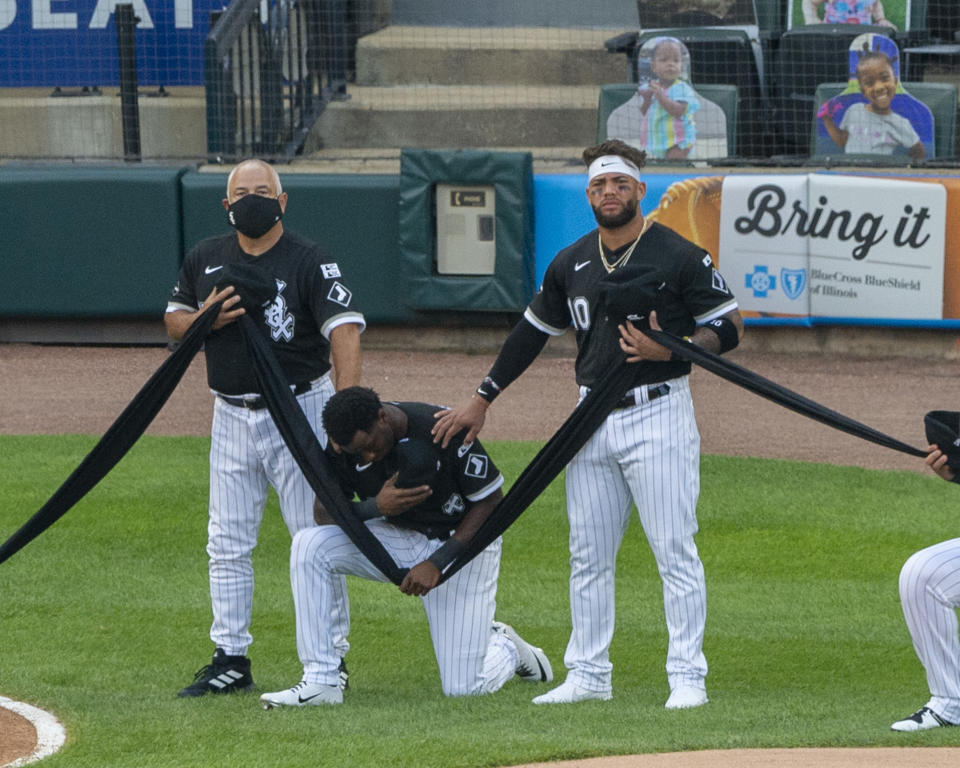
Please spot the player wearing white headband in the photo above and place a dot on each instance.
(647, 451)
(613, 164)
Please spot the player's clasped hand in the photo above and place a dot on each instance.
(395, 501)
(229, 311)
(420, 579)
(638, 345)
(937, 461)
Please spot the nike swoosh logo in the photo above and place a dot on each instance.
(210, 270)
(365, 466)
(581, 265)
(604, 165)
(309, 698)
(463, 449)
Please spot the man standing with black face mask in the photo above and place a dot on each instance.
(311, 322)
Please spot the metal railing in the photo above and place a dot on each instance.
(268, 76)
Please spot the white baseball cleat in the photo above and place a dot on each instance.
(922, 720)
(533, 665)
(686, 697)
(568, 693)
(303, 694)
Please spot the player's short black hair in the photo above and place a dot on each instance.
(349, 411)
(615, 147)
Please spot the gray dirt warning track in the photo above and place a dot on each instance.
(57, 390)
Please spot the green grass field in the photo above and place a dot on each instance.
(105, 616)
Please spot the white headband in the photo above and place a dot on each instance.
(612, 164)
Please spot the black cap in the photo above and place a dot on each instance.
(417, 463)
(943, 429)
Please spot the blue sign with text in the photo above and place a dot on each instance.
(73, 43)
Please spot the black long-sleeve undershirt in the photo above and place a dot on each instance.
(520, 349)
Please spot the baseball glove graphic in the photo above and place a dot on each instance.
(691, 208)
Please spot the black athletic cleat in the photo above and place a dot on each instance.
(344, 675)
(225, 674)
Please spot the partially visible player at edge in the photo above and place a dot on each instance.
(647, 450)
(930, 596)
(310, 322)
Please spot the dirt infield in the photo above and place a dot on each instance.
(57, 390)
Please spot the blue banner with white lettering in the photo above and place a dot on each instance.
(73, 43)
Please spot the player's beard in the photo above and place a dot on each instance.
(617, 220)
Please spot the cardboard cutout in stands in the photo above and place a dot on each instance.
(696, 13)
(880, 13)
(874, 115)
(666, 117)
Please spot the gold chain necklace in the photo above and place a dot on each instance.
(626, 254)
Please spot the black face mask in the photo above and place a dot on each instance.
(254, 215)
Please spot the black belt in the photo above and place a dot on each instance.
(256, 402)
(653, 392)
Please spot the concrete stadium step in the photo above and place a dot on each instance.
(458, 116)
(485, 56)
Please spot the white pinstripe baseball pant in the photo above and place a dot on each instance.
(247, 454)
(648, 455)
(930, 596)
(471, 657)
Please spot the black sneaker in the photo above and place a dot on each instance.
(225, 674)
(344, 675)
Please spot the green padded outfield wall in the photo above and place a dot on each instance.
(352, 216)
(89, 242)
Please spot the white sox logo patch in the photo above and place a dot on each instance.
(278, 320)
(454, 505)
(476, 466)
(330, 270)
(339, 294)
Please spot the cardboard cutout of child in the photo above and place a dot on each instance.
(875, 114)
(659, 117)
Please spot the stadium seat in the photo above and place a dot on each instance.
(806, 57)
(940, 98)
(724, 96)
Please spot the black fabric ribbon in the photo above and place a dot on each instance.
(772, 391)
(546, 465)
(306, 450)
(136, 417)
(117, 440)
(302, 442)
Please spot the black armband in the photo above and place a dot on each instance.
(726, 331)
(488, 389)
(519, 349)
(366, 509)
(446, 553)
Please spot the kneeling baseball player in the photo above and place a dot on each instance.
(423, 503)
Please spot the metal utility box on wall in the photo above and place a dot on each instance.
(466, 229)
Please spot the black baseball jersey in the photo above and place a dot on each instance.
(312, 299)
(466, 475)
(691, 292)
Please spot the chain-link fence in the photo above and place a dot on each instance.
(750, 82)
